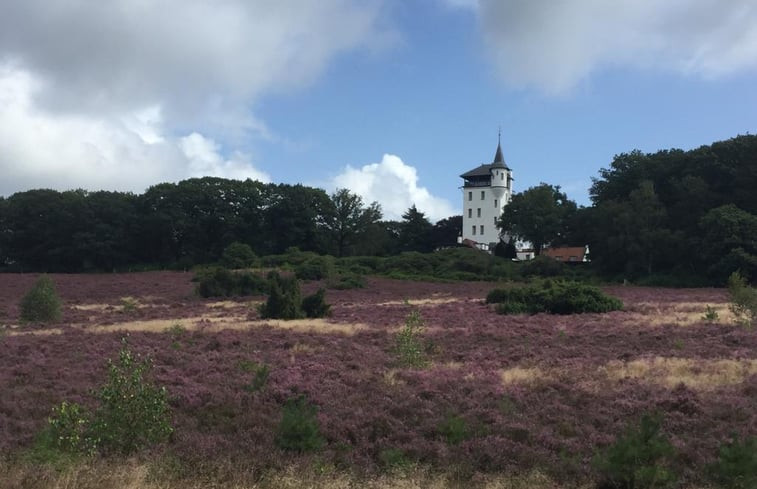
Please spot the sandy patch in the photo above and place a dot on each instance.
(671, 371)
(232, 304)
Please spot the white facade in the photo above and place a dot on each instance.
(486, 191)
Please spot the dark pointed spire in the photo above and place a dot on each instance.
(499, 160)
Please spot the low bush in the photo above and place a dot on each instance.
(408, 344)
(640, 458)
(736, 466)
(346, 281)
(221, 282)
(284, 298)
(41, 303)
(543, 266)
(554, 297)
(238, 255)
(743, 300)
(315, 306)
(132, 414)
(315, 268)
(454, 429)
(298, 429)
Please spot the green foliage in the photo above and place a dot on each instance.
(394, 459)
(133, 413)
(454, 429)
(128, 305)
(315, 268)
(743, 300)
(260, 373)
(554, 297)
(315, 305)
(41, 303)
(69, 429)
(640, 458)
(543, 266)
(345, 281)
(710, 314)
(408, 344)
(221, 282)
(736, 466)
(238, 255)
(284, 298)
(299, 430)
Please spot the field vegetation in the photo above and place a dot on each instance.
(403, 384)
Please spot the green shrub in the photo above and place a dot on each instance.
(315, 305)
(315, 268)
(238, 255)
(41, 303)
(408, 345)
(454, 429)
(133, 413)
(736, 466)
(260, 373)
(743, 300)
(554, 297)
(394, 459)
(284, 298)
(543, 266)
(69, 429)
(346, 281)
(299, 430)
(640, 458)
(710, 314)
(221, 282)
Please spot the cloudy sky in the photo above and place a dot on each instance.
(392, 99)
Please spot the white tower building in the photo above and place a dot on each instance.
(486, 191)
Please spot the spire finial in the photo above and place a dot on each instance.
(499, 136)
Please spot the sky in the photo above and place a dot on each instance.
(392, 99)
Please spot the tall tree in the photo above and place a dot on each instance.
(350, 221)
(415, 231)
(446, 232)
(539, 214)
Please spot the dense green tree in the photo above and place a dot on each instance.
(350, 221)
(415, 231)
(539, 214)
(730, 242)
(446, 232)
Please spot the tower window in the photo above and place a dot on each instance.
(470, 213)
(495, 203)
(482, 229)
(474, 230)
(502, 176)
(478, 212)
(482, 195)
(495, 220)
(470, 195)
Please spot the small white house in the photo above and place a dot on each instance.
(487, 189)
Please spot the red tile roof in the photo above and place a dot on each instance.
(568, 253)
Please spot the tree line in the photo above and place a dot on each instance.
(673, 213)
(191, 222)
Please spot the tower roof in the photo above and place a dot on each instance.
(499, 160)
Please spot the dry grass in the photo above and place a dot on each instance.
(520, 375)
(695, 373)
(676, 313)
(135, 475)
(426, 301)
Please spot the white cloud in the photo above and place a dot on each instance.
(556, 44)
(394, 185)
(124, 93)
(121, 152)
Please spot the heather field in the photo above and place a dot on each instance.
(502, 398)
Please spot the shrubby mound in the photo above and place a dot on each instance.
(238, 255)
(315, 268)
(315, 306)
(221, 282)
(553, 297)
(41, 303)
(284, 298)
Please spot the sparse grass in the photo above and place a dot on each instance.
(520, 375)
(695, 373)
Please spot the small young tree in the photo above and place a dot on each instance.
(299, 430)
(284, 299)
(41, 303)
(238, 255)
